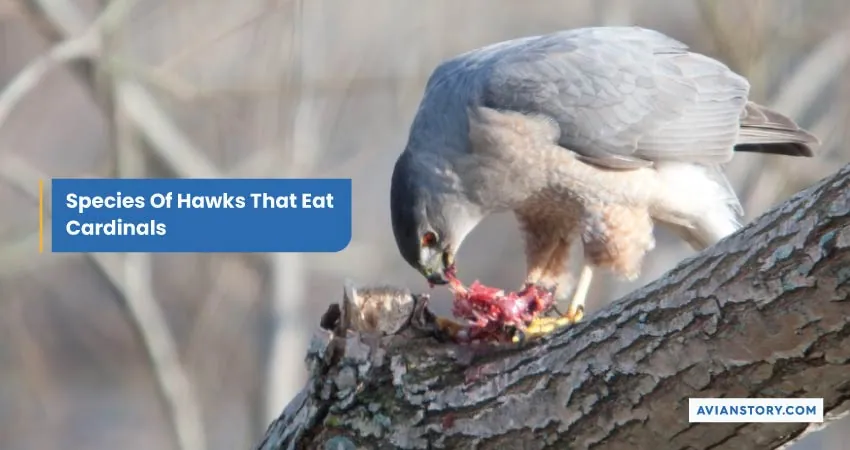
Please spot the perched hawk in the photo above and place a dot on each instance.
(589, 135)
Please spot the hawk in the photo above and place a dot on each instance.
(589, 136)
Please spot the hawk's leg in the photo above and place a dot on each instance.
(548, 236)
(575, 313)
(544, 277)
(615, 237)
(576, 308)
(546, 252)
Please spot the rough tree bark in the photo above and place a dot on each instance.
(764, 313)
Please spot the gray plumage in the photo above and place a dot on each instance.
(500, 126)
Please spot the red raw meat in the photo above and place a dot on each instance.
(491, 311)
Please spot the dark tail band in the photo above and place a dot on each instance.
(766, 131)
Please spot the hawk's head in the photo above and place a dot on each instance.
(429, 218)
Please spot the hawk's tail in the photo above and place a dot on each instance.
(766, 131)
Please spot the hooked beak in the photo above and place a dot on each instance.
(435, 267)
(437, 278)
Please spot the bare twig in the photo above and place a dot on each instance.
(741, 56)
(171, 145)
(85, 46)
(149, 323)
(142, 307)
(34, 363)
(63, 17)
(173, 380)
(289, 276)
(289, 270)
(806, 82)
(168, 142)
(194, 48)
(28, 79)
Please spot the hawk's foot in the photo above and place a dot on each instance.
(542, 326)
(575, 314)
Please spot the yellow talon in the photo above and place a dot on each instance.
(539, 327)
(575, 313)
(542, 326)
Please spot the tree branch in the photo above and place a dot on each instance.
(764, 313)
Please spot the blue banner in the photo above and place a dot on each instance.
(200, 215)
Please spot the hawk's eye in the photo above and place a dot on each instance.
(429, 239)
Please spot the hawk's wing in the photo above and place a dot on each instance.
(623, 97)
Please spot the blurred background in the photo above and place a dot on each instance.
(202, 351)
